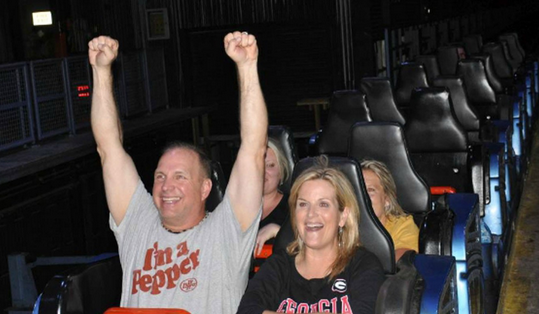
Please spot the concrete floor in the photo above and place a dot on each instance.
(521, 282)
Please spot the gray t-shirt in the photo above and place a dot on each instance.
(202, 270)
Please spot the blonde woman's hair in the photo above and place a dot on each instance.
(284, 167)
(393, 209)
(348, 239)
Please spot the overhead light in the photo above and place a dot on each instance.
(42, 18)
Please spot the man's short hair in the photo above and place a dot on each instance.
(205, 161)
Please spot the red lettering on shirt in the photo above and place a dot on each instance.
(345, 305)
(182, 249)
(282, 306)
(303, 308)
(154, 280)
(291, 306)
(334, 305)
(158, 282)
(323, 305)
(148, 258)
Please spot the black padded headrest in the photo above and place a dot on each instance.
(432, 125)
(385, 142)
(466, 114)
(411, 75)
(478, 88)
(218, 187)
(492, 78)
(373, 235)
(430, 62)
(472, 43)
(347, 108)
(519, 47)
(89, 288)
(283, 135)
(514, 50)
(507, 52)
(380, 99)
(448, 57)
(501, 65)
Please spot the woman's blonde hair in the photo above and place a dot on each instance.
(284, 167)
(348, 235)
(393, 209)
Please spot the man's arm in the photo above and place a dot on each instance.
(119, 172)
(247, 176)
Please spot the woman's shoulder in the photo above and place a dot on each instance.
(400, 222)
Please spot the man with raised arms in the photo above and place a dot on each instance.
(173, 253)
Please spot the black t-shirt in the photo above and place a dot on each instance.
(279, 287)
(278, 214)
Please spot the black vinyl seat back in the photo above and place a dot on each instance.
(218, 187)
(411, 75)
(433, 125)
(502, 67)
(284, 136)
(478, 89)
(402, 292)
(437, 142)
(430, 62)
(507, 52)
(465, 112)
(493, 79)
(385, 142)
(373, 235)
(89, 288)
(448, 57)
(380, 100)
(516, 53)
(519, 47)
(472, 43)
(347, 108)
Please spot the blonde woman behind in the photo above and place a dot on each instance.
(275, 207)
(383, 194)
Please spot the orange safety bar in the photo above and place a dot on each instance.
(267, 250)
(440, 190)
(132, 310)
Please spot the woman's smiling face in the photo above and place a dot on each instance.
(318, 216)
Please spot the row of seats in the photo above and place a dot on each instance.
(442, 117)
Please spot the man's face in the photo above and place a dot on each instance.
(179, 189)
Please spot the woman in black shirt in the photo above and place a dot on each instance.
(275, 207)
(324, 269)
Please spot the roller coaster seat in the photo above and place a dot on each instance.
(347, 107)
(380, 99)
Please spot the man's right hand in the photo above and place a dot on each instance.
(102, 51)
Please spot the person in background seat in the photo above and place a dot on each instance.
(275, 208)
(383, 194)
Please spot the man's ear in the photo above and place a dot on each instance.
(205, 188)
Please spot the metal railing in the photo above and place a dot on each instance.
(46, 98)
